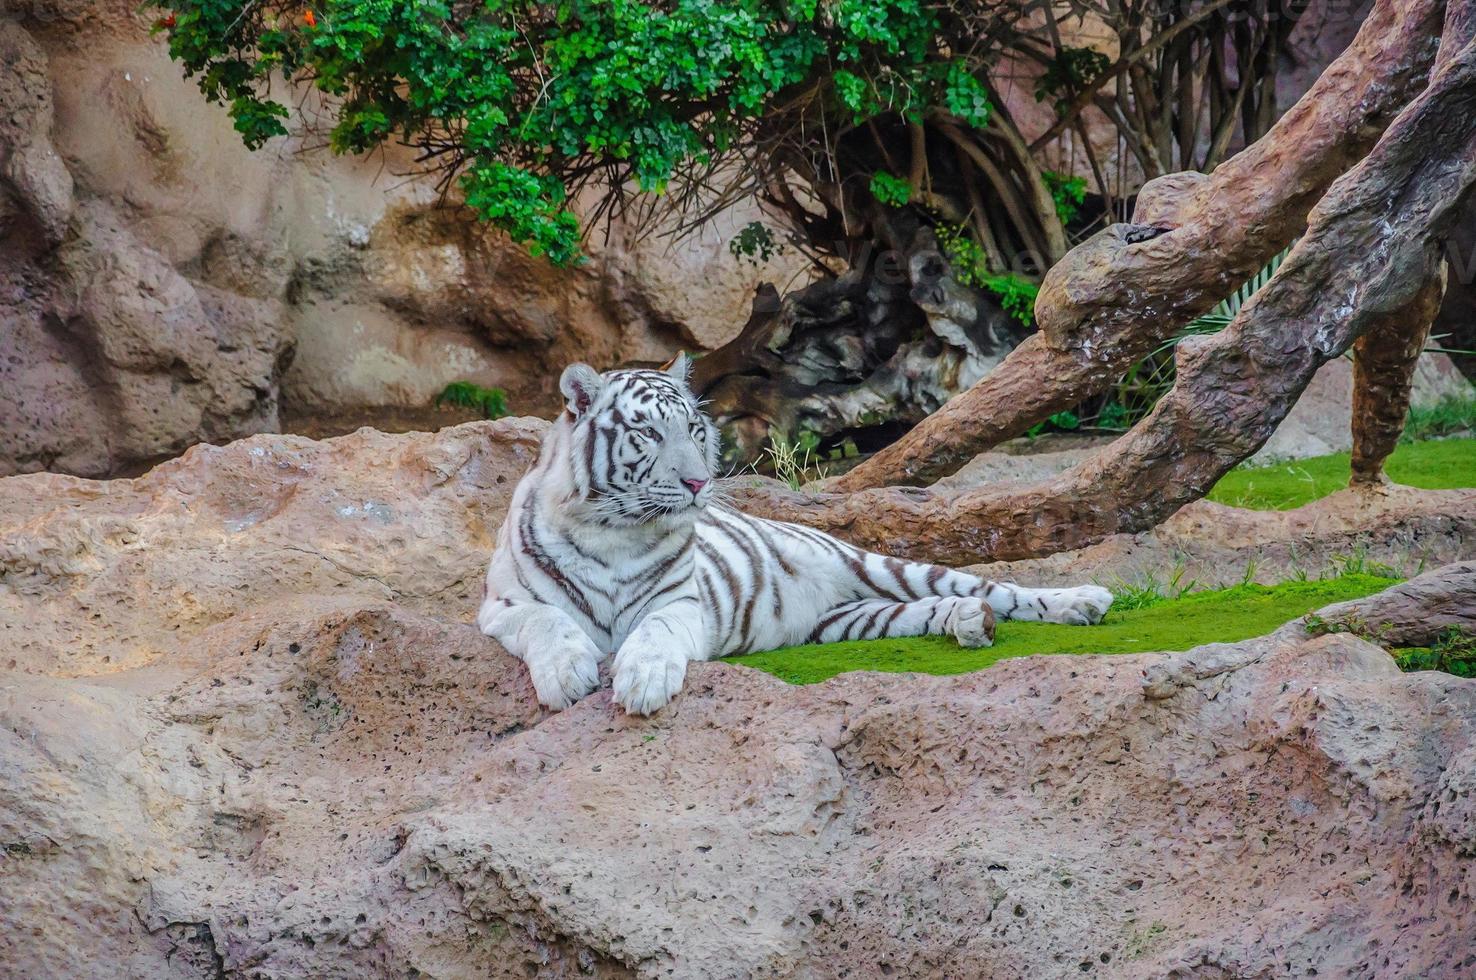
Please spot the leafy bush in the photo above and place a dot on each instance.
(890, 190)
(523, 101)
(1067, 421)
(490, 402)
(1069, 72)
(1016, 295)
(1453, 652)
(755, 242)
(1068, 192)
(966, 262)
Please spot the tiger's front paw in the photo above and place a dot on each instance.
(1081, 606)
(645, 681)
(563, 674)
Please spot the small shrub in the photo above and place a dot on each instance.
(1114, 418)
(1069, 193)
(755, 242)
(1453, 652)
(966, 262)
(1070, 71)
(490, 402)
(890, 190)
(1321, 626)
(1067, 421)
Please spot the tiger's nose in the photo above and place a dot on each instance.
(695, 486)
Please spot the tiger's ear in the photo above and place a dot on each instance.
(679, 367)
(581, 385)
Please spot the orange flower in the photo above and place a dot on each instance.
(310, 18)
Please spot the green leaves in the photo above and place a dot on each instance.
(522, 96)
(890, 190)
(528, 207)
(1016, 294)
(755, 242)
(965, 96)
(257, 121)
(1067, 192)
(490, 402)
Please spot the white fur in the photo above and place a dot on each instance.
(593, 561)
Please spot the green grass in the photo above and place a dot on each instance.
(1439, 465)
(1451, 415)
(1236, 613)
(1454, 652)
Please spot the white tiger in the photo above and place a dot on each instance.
(613, 543)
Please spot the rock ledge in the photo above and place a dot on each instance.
(246, 731)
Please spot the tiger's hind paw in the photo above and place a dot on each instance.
(1084, 605)
(972, 622)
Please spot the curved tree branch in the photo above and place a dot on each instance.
(1369, 260)
(1117, 296)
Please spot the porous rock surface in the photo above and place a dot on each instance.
(246, 730)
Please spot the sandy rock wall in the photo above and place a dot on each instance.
(245, 730)
(160, 285)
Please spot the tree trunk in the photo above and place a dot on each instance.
(1122, 293)
(1383, 373)
(1367, 262)
(1384, 359)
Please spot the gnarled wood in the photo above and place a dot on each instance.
(1384, 359)
(1117, 296)
(1383, 373)
(1369, 258)
(884, 344)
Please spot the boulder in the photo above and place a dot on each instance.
(246, 729)
(1321, 421)
(33, 179)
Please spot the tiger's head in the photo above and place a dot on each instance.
(641, 450)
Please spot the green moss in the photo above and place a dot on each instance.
(1171, 624)
(1439, 465)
